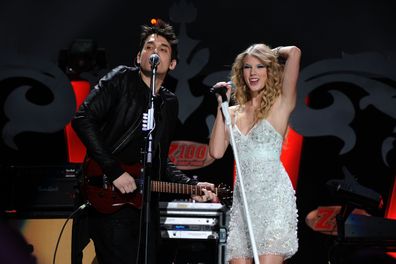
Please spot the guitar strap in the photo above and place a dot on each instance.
(124, 139)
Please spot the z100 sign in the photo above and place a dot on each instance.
(189, 155)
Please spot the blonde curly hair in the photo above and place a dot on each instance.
(272, 88)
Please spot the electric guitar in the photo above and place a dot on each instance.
(106, 198)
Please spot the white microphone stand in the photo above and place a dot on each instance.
(227, 118)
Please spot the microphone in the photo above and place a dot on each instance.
(154, 60)
(223, 89)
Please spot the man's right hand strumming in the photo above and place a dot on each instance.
(125, 183)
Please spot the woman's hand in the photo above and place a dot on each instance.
(228, 87)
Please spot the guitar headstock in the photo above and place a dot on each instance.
(225, 194)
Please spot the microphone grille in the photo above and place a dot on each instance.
(154, 59)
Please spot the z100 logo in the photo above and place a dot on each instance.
(189, 155)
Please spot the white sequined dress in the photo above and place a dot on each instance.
(270, 196)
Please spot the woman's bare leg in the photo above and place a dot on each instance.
(271, 259)
(241, 261)
(264, 259)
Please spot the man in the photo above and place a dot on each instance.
(109, 123)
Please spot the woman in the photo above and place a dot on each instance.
(266, 96)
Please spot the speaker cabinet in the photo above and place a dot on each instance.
(39, 191)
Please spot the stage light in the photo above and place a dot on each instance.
(353, 194)
(83, 55)
(361, 230)
(153, 21)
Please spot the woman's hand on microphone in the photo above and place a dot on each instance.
(228, 86)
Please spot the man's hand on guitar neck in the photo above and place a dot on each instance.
(208, 195)
(125, 183)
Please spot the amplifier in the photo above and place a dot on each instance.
(195, 206)
(191, 209)
(40, 191)
(190, 225)
(187, 234)
(189, 220)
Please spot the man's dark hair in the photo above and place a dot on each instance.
(163, 29)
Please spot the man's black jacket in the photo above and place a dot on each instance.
(113, 112)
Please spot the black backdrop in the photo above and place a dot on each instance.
(347, 70)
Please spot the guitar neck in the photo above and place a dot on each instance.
(178, 188)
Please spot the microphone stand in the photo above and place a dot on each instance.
(227, 118)
(148, 126)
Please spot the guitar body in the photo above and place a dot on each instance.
(106, 198)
